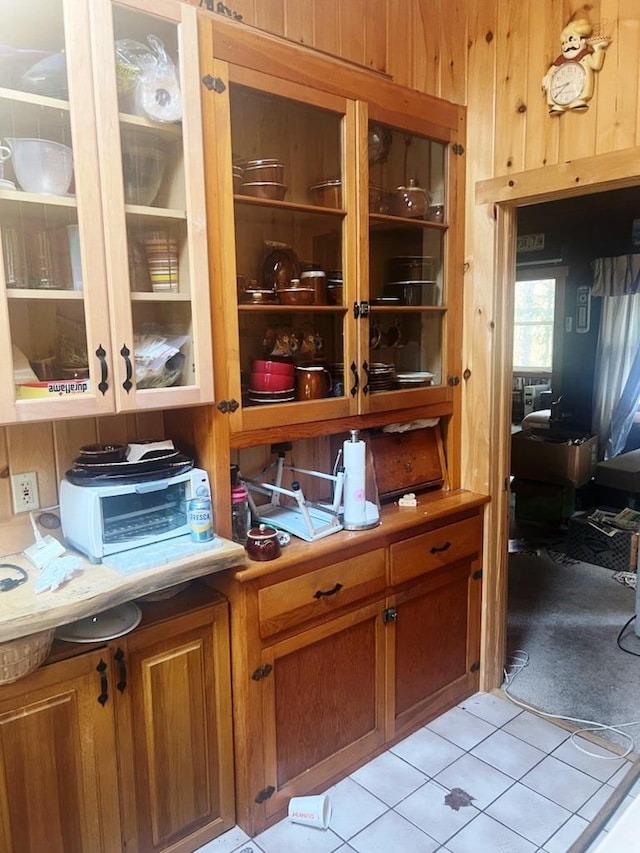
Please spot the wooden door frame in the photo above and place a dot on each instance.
(600, 173)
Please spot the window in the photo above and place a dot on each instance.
(536, 299)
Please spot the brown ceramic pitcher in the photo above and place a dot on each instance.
(313, 382)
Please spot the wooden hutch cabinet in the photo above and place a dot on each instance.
(335, 659)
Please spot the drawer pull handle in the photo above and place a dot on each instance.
(325, 593)
(438, 549)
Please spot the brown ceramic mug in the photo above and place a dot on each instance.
(313, 382)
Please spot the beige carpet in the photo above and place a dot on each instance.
(567, 616)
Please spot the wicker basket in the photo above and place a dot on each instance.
(20, 657)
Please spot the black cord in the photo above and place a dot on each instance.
(624, 628)
(7, 584)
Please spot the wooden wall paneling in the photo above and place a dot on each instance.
(68, 437)
(453, 50)
(268, 15)
(617, 86)
(511, 86)
(30, 447)
(541, 138)
(375, 38)
(326, 33)
(352, 28)
(6, 507)
(400, 46)
(426, 65)
(298, 23)
(149, 425)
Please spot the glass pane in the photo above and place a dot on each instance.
(150, 103)
(289, 247)
(42, 264)
(407, 236)
(534, 309)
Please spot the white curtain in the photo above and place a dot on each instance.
(617, 374)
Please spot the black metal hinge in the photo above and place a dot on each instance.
(265, 793)
(389, 615)
(226, 406)
(477, 575)
(214, 84)
(475, 666)
(360, 309)
(261, 672)
(457, 149)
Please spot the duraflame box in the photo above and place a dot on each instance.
(548, 456)
(585, 543)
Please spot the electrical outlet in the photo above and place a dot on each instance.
(25, 491)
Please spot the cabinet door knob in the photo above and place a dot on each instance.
(356, 379)
(125, 352)
(104, 685)
(104, 371)
(365, 367)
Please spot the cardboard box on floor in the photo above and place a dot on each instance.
(551, 456)
(586, 543)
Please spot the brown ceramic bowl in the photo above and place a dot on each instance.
(334, 292)
(272, 172)
(265, 189)
(258, 297)
(297, 296)
(327, 193)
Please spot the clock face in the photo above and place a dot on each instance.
(567, 83)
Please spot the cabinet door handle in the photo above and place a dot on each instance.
(438, 549)
(125, 352)
(104, 685)
(365, 367)
(325, 593)
(104, 371)
(122, 670)
(356, 379)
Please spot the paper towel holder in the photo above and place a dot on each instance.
(361, 504)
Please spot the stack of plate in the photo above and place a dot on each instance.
(382, 377)
(261, 397)
(414, 379)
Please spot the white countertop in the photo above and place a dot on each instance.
(96, 587)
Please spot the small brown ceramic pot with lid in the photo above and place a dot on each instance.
(263, 543)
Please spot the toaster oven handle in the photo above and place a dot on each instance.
(153, 486)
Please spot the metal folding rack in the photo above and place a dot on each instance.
(309, 520)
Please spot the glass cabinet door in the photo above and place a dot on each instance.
(407, 199)
(294, 275)
(152, 172)
(53, 306)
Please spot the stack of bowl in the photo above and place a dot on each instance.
(296, 293)
(412, 279)
(264, 179)
(272, 381)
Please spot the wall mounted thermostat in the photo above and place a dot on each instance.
(583, 309)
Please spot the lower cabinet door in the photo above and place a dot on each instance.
(433, 645)
(58, 769)
(175, 732)
(323, 703)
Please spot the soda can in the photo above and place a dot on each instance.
(200, 520)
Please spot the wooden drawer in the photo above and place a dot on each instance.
(437, 548)
(320, 592)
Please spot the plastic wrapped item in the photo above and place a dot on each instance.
(147, 79)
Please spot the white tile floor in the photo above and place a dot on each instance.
(529, 789)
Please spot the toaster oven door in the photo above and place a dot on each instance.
(153, 510)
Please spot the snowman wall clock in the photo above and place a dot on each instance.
(570, 81)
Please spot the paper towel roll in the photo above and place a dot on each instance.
(354, 482)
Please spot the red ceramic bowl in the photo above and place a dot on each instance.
(270, 382)
(284, 368)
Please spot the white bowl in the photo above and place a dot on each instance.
(41, 165)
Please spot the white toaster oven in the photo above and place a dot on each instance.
(105, 519)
